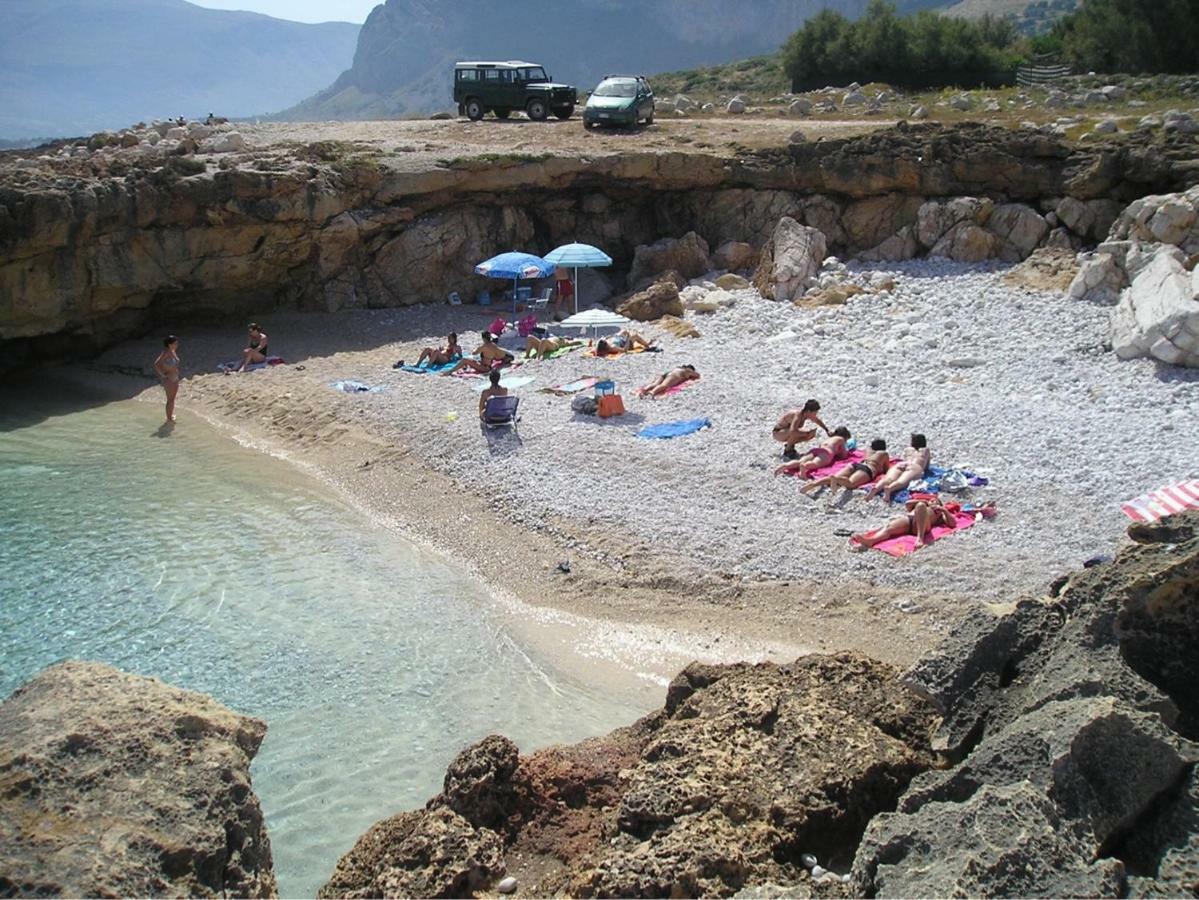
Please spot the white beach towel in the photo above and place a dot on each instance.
(1165, 501)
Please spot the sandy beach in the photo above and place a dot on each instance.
(695, 536)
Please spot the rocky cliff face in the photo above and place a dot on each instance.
(94, 251)
(113, 785)
(1044, 750)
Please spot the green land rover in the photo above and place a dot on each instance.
(502, 87)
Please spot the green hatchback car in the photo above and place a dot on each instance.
(620, 100)
(503, 87)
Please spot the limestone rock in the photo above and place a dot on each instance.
(1072, 715)
(796, 252)
(1107, 126)
(870, 221)
(428, 853)
(962, 102)
(918, 112)
(853, 98)
(1020, 228)
(735, 256)
(118, 785)
(935, 219)
(687, 255)
(800, 107)
(735, 106)
(732, 282)
(677, 326)
(899, 246)
(1158, 314)
(967, 242)
(657, 300)
(478, 782)
(796, 137)
(834, 295)
(1091, 219)
(1165, 218)
(1100, 279)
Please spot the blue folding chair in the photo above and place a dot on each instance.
(500, 412)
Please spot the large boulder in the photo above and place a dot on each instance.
(1100, 279)
(1158, 314)
(687, 255)
(936, 218)
(1073, 717)
(656, 301)
(1089, 219)
(1021, 229)
(967, 242)
(115, 785)
(735, 256)
(791, 260)
(1165, 218)
(899, 246)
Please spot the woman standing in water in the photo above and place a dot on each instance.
(167, 367)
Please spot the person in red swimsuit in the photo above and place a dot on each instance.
(564, 291)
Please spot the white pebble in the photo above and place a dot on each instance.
(507, 886)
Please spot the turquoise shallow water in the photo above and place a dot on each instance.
(219, 569)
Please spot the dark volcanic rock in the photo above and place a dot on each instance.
(746, 768)
(116, 785)
(1071, 716)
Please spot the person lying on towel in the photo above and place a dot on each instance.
(491, 356)
(439, 356)
(668, 380)
(921, 517)
(543, 347)
(623, 342)
(856, 474)
(903, 472)
(828, 452)
(494, 390)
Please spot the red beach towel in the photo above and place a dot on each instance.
(1165, 501)
(906, 543)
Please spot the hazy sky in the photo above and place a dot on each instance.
(301, 10)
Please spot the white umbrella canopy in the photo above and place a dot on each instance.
(595, 318)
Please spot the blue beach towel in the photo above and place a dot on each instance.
(674, 429)
(936, 477)
(423, 369)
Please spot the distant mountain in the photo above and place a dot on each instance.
(407, 48)
(1032, 16)
(71, 67)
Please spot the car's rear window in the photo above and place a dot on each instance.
(617, 87)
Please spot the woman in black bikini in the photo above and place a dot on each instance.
(920, 519)
(790, 428)
(167, 367)
(256, 352)
(856, 474)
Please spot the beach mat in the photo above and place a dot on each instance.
(1167, 501)
(562, 351)
(674, 429)
(572, 387)
(424, 369)
(906, 543)
(509, 382)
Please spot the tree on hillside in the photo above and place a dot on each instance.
(922, 50)
(1132, 36)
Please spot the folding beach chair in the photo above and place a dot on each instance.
(542, 303)
(501, 411)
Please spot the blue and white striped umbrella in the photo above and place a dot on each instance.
(516, 266)
(579, 256)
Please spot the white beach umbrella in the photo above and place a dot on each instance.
(595, 318)
(578, 256)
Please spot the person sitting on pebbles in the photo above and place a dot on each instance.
(791, 431)
(439, 356)
(833, 448)
(491, 356)
(543, 347)
(624, 341)
(255, 351)
(668, 380)
(904, 471)
(855, 474)
(494, 390)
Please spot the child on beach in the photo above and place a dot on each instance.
(167, 367)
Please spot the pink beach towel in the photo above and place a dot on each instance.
(906, 543)
(679, 387)
(1165, 501)
(852, 457)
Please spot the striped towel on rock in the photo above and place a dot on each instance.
(1165, 501)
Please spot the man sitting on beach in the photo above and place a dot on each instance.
(903, 472)
(491, 356)
(830, 450)
(494, 390)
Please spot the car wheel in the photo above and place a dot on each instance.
(474, 109)
(564, 112)
(537, 110)
(502, 113)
